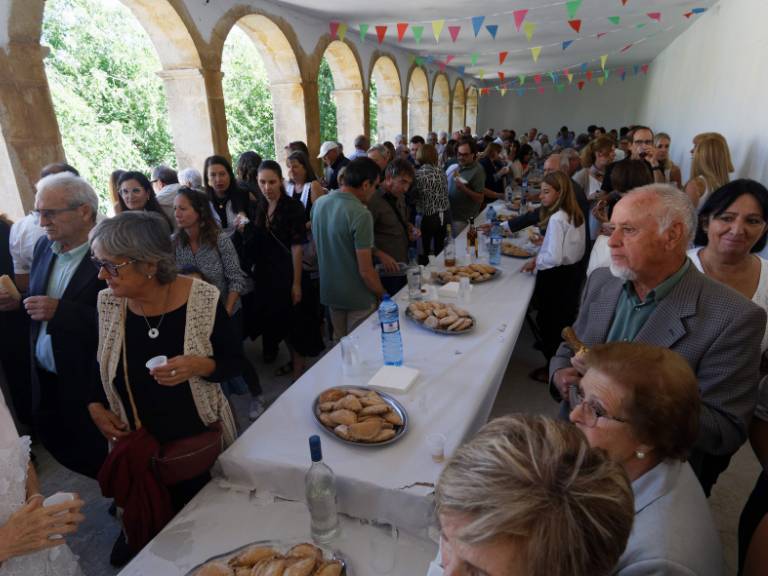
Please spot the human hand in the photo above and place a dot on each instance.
(296, 294)
(536, 239)
(504, 171)
(41, 308)
(387, 262)
(8, 302)
(177, 370)
(529, 266)
(413, 233)
(564, 378)
(31, 527)
(108, 423)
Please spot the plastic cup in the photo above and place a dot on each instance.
(156, 362)
(464, 290)
(436, 446)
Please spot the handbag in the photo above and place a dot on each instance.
(184, 458)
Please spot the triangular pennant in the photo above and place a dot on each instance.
(580, 84)
(419, 61)
(401, 28)
(584, 68)
(560, 88)
(363, 31)
(441, 65)
(640, 26)
(553, 77)
(535, 52)
(600, 35)
(519, 17)
(688, 14)
(334, 26)
(502, 57)
(655, 16)
(615, 20)
(600, 81)
(567, 43)
(381, 31)
(342, 31)
(521, 79)
(411, 58)
(575, 24)
(477, 24)
(482, 73)
(429, 58)
(627, 47)
(540, 89)
(529, 28)
(699, 10)
(461, 69)
(572, 6)
(492, 29)
(606, 73)
(474, 58)
(437, 29)
(570, 78)
(503, 91)
(623, 76)
(589, 75)
(537, 79)
(501, 76)
(566, 71)
(484, 91)
(449, 58)
(454, 32)
(636, 69)
(603, 60)
(520, 91)
(644, 68)
(417, 33)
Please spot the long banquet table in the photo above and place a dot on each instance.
(458, 383)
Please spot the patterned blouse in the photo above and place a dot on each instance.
(431, 190)
(219, 264)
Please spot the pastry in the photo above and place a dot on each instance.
(342, 431)
(332, 394)
(252, 555)
(510, 249)
(349, 402)
(214, 569)
(375, 409)
(393, 418)
(327, 406)
(301, 567)
(326, 419)
(306, 550)
(274, 567)
(364, 430)
(343, 416)
(7, 284)
(431, 322)
(384, 434)
(332, 568)
(368, 418)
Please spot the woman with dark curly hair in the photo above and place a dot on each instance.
(135, 192)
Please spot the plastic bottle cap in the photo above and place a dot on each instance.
(315, 448)
(385, 297)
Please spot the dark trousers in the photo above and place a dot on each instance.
(432, 236)
(754, 511)
(708, 468)
(249, 372)
(557, 299)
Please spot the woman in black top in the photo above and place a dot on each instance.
(230, 201)
(275, 246)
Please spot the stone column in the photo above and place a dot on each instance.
(312, 123)
(390, 109)
(30, 133)
(349, 116)
(289, 120)
(440, 116)
(217, 118)
(418, 117)
(458, 117)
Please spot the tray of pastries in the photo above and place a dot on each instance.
(265, 558)
(475, 272)
(360, 415)
(441, 318)
(514, 251)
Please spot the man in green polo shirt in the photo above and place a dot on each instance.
(343, 231)
(466, 185)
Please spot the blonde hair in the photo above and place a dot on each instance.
(715, 136)
(589, 152)
(490, 148)
(667, 163)
(566, 202)
(712, 161)
(536, 480)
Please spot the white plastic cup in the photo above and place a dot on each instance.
(436, 446)
(53, 500)
(156, 362)
(464, 290)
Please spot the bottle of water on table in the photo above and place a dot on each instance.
(320, 491)
(490, 213)
(524, 197)
(494, 246)
(391, 340)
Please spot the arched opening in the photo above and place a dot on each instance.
(263, 93)
(388, 100)
(472, 108)
(459, 107)
(347, 93)
(441, 104)
(418, 103)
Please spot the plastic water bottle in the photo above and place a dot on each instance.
(391, 341)
(509, 194)
(524, 198)
(490, 213)
(320, 490)
(494, 247)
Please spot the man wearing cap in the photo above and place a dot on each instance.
(334, 161)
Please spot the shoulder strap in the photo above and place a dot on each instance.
(136, 418)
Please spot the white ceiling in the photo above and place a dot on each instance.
(552, 29)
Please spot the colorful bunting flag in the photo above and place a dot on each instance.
(640, 26)
(334, 26)
(567, 43)
(502, 57)
(600, 35)
(537, 79)
(580, 84)
(454, 32)
(417, 33)
(520, 91)
(482, 73)
(419, 61)
(449, 58)
(600, 81)
(441, 65)
(603, 60)
(644, 68)
(627, 47)
(484, 91)
(477, 24)
(540, 89)
(636, 69)
(381, 31)
(572, 6)
(401, 28)
(521, 78)
(501, 76)
(553, 77)
(474, 58)
(560, 88)
(699, 10)
(437, 29)
(570, 78)
(535, 52)
(623, 75)
(655, 16)
(589, 75)
(606, 73)
(503, 91)
(615, 20)
(575, 24)
(688, 14)
(519, 17)
(461, 69)
(583, 67)
(529, 28)
(363, 31)
(342, 31)
(492, 29)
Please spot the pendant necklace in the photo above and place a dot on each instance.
(154, 332)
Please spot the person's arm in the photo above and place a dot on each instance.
(297, 254)
(758, 438)
(232, 272)
(367, 272)
(33, 484)
(387, 262)
(316, 190)
(491, 195)
(757, 553)
(694, 190)
(676, 177)
(552, 253)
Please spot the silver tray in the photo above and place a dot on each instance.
(434, 278)
(282, 546)
(443, 330)
(396, 406)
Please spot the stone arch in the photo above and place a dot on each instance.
(472, 105)
(441, 103)
(418, 102)
(459, 106)
(388, 97)
(284, 73)
(348, 92)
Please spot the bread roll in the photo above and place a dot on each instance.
(8, 286)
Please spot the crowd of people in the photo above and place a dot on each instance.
(123, 335)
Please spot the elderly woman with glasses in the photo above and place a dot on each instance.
(144, 409)
(640, 404)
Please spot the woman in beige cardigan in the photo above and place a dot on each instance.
(149, 311)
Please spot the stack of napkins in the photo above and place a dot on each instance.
(394, 378)
(450, 290)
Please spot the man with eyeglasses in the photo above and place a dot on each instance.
(466, 185)
(61, 305)
(641, 148)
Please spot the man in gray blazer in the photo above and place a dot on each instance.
(653, 294)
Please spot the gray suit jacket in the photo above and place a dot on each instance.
(713, 327)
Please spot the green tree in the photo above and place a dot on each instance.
(373, 112)
(325, 88)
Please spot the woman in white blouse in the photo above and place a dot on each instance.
(558, 263)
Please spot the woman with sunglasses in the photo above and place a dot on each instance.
(640, 404)
(148, 311)
(135, 192)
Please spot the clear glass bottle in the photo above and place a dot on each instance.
(472, 250)
(320, 491)
(449, 250)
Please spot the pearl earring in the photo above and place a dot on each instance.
(640, 454)
(149, 276)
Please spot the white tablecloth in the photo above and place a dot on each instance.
(460, 377)
(218, 520)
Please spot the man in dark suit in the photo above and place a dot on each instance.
(654, 294)
(61, 305)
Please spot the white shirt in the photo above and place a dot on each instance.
(600, 257)
(24, 235)
(563, 243)
(536, 145)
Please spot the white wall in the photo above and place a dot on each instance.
(714, 77)
(613, 105)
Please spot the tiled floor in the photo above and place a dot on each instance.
(94, 540)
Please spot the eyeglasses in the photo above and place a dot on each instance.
(463, 154)
(590, 410)
(51, 213)
(643, 142)
(133, 191)
(112, 269)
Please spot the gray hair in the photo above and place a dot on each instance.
(77, 190)
(443, 134)
(141, 236)
(537, 480)
(399, 139)
(380, 148)
(674, 206)
(191, 178)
